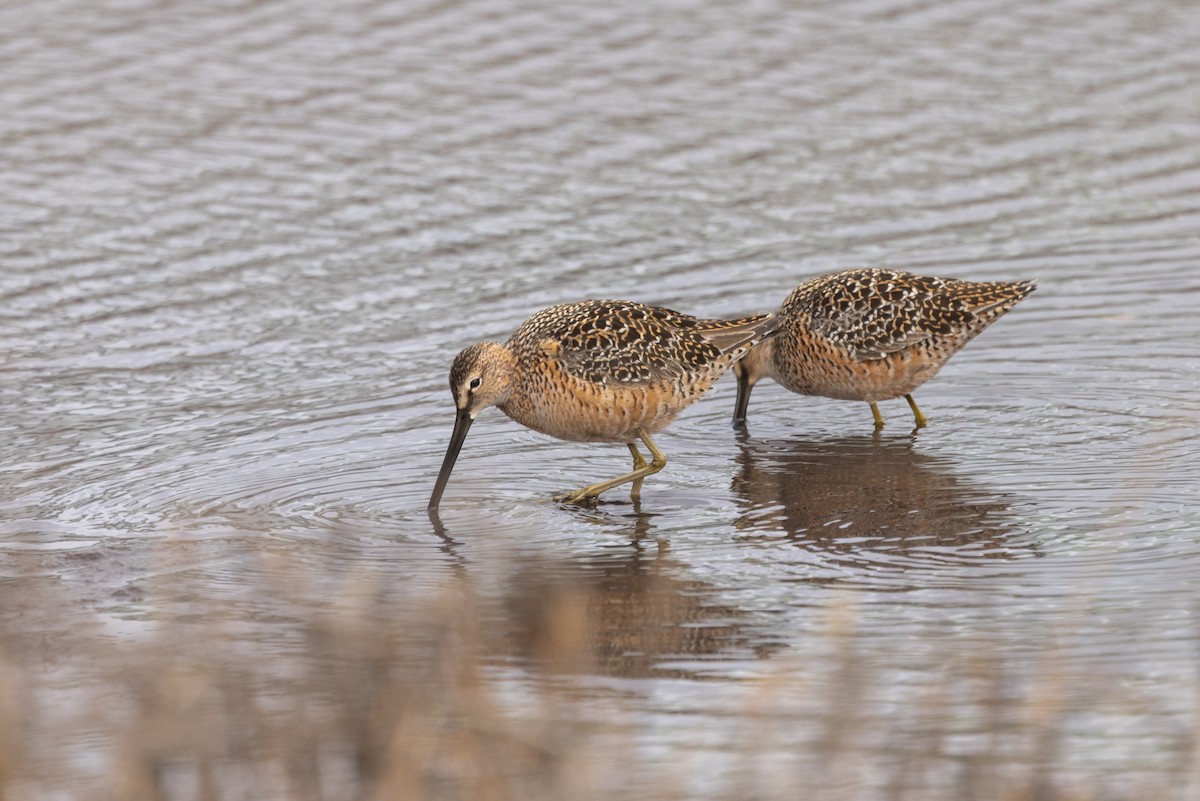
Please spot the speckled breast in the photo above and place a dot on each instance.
(810, 365)
(554, 402)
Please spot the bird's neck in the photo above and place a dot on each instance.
(759, 362)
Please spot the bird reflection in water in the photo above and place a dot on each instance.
(632, 613)
(870, 498)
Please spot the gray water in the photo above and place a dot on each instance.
(240, 244)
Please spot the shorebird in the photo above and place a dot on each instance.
(872, 335)
(597, 371)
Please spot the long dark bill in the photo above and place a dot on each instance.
(743, 399)
(462, 424)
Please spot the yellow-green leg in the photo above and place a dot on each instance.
(917, 416)
(639, 462)
(878, 417)
(657, 462)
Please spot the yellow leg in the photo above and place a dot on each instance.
(877, 415)
(917, 416)
(638, 463)
(657, 462)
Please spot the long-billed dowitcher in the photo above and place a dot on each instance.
(597, 371)
(872, 335)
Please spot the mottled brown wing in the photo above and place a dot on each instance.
(621, 342)
(874, 313)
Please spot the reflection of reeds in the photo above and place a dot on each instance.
(438, 702)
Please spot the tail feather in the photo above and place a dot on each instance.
(731, 335)
(995, 297)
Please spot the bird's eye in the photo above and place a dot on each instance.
(474, 383)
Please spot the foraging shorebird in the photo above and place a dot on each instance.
(597, 371)
(872, 335)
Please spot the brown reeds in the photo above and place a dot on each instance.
(457, 697)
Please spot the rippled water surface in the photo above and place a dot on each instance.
(240, 244)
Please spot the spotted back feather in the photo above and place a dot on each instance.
(872, 313)
(620, 342)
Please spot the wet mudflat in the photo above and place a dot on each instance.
(240, 244)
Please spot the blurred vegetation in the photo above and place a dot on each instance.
(453, 697)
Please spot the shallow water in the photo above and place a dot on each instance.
(241, 243)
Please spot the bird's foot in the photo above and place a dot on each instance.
(583, 497)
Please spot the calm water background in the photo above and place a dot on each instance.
(240, 243)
